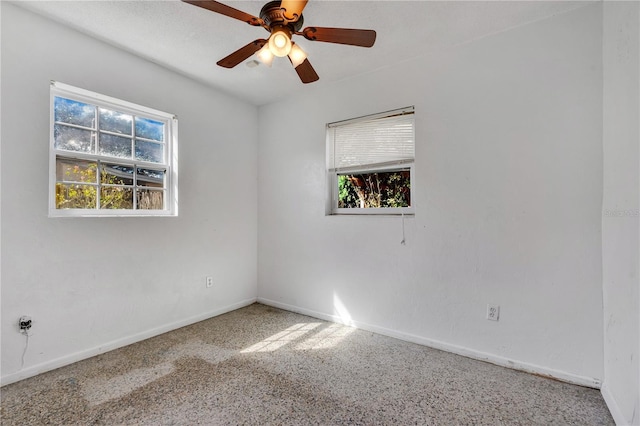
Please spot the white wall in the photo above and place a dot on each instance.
(620, 229)
(96, 283)
(508, 206)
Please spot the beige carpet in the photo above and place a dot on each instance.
(261, 366)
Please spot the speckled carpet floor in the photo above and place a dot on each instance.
(264, 366)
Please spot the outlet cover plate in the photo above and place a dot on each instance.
(493, 312)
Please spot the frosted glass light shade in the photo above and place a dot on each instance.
(265, 55)
(280, 43)
(297, 55)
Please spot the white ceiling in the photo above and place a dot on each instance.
(190, 40)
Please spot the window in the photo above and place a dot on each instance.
(370, 164)
(110, 157)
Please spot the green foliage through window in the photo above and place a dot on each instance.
(388, 189)
(78, 186)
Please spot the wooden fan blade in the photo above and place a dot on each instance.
(364, 38)
(241, 54)
(306, 72)
(293, 9)
(214, 6)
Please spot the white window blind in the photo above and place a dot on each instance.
(382, 139)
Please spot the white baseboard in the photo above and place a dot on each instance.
(448, 347)
(613, 406)
(125, 341)
(459, 350)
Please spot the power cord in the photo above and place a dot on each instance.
(24, 325)
(26, 346)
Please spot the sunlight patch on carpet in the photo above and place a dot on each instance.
(278, 340)
(326, 338)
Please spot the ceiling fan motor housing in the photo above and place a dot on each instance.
(273, 16)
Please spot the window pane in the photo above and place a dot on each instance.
(114, 121)
(107, 154)
(115, 174)
(72, 139)
(74, 112)
(149, 199)
(72, 196)
(71, 170)
(115, 146)
(375, 190)
(149, 151)
(116, 198)
(149, 129)
(150, 177)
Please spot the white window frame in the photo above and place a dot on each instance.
(333, 172)
(170, 154)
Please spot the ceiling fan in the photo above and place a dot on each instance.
(283, 19)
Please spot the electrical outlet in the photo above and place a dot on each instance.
(493, 312)
(209, 282)
(24, 323)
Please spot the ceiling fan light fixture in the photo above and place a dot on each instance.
(297, 55)
(280, 42)
(283, 19)
(265, 56)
